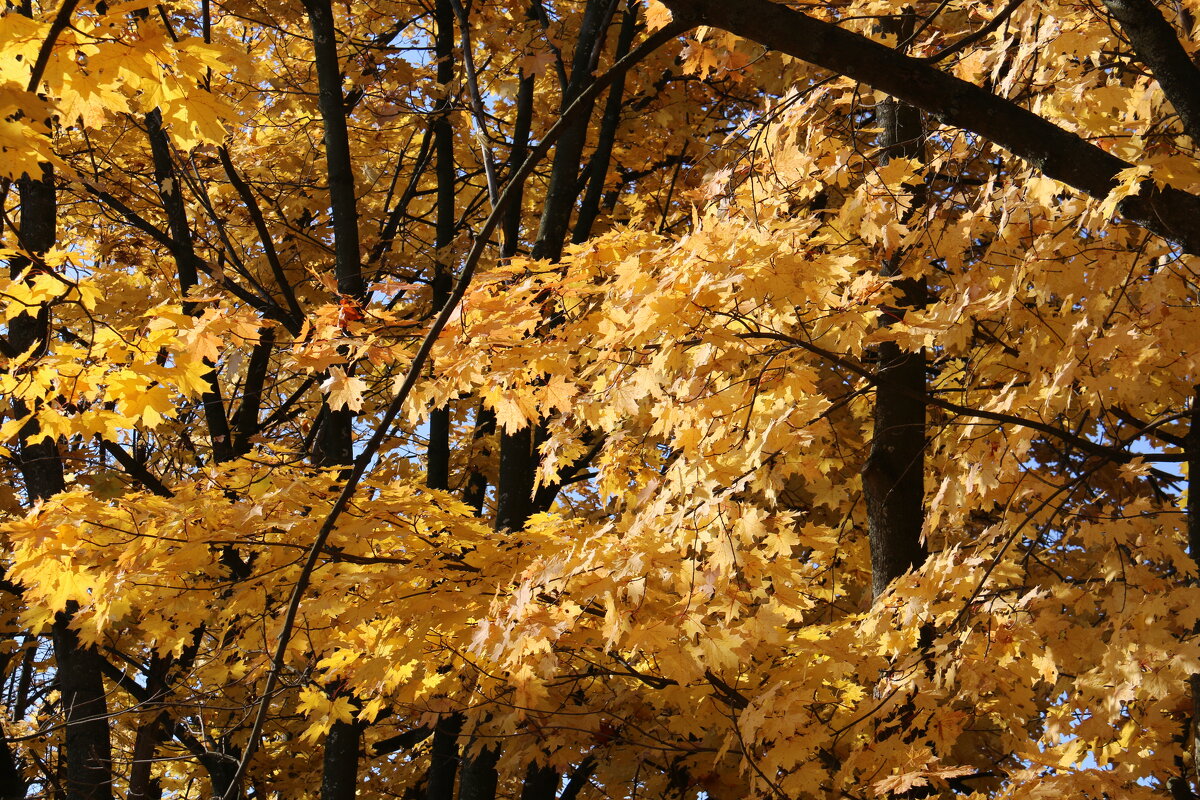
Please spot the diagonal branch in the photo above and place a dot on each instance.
(1058, 153)
(61, 20)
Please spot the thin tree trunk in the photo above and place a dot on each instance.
(522, 124)
(82, 698)
(443, 759)
(475, 492)
(438, 456)
(336, 447)
(1180, 785)
(12, 782)
(589, 207)
(563, 189)
(336, 436)
(150, 734)
(171, 195)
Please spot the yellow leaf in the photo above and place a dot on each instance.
(658, 16)
(343, 391)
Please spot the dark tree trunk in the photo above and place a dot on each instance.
(443, 758)
(339, 778)
(339, 167)
(563, 189)
(479, 778)
(12, 782)
(541, 783)
(336, 437)
(222, 772)
(82, 698)
(475, 492)
(150, 734)
(894, 475)
(1180, 785)
(81, 687)
(579, 779)
(438, 461)
(514, 487)
(1156, 45)
(171, 194)
(511, 227)
(246, 419)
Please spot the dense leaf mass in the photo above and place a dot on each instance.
(542, 399)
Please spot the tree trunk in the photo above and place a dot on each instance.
(82, 698)
(81, 688)
(336, 438)
(1179, 785)
(170, 193)
(894, 475)
(438, 460)
(563, 189)
(589, 207)
(339, 778)
(479, 777)
(443, 758)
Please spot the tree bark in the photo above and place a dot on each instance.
(339, 776)
(541, 783)
(336, 436)
(336, 447)
(479, 777)
(150, 734)
(171, 194)
(339, 166)
(563, 189)
(82, 698)
(1192, 448)
(589, 207)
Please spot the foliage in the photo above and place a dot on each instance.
(645, 566)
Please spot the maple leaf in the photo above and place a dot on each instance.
(343, 391)
(658, 16)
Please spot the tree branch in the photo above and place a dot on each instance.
(1058, 153)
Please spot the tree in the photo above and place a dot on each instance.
(442, 399)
